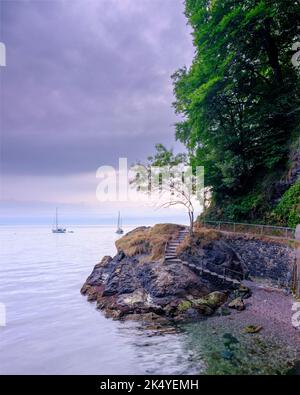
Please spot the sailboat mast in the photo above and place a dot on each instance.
(119, 220)
(56, 222)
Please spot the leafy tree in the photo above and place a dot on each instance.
(166, 177)
(240, 97)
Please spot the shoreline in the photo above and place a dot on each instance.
(269, 308)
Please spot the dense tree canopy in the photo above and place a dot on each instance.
(240, 97)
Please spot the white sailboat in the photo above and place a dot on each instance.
(119, 227)
(58, 229)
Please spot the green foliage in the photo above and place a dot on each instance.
(240, 97)
(287, 211)
(165, 157)
(250, 207)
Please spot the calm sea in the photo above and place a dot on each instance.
(52, 329)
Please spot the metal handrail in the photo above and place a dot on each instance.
(259, 226)
(202, 267)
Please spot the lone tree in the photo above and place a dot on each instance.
(168, 181)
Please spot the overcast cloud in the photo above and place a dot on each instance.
(86, 82)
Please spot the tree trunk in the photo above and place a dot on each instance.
(271, 48)
(191, 217)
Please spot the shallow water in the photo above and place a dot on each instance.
(52, 329)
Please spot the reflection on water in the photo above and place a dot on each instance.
(52, 329)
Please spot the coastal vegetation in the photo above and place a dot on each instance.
(239, 108)
(288, 208)
(240, 103)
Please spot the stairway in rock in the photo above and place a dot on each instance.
(171, 257)
(170, 252)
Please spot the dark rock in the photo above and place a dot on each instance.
(237, 304)
(122, 286)
(126, 286)
(217, 256)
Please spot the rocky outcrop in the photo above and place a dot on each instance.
(137, 286)
(122, 286)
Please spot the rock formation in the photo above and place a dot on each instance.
(139, 283)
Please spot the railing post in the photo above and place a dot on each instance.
(234, 227)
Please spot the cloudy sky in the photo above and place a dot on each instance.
(86, 82)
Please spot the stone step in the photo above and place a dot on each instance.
(174, 260)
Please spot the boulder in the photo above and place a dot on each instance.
(237, 304)
(243, 292)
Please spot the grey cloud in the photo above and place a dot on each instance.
(87, 81)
